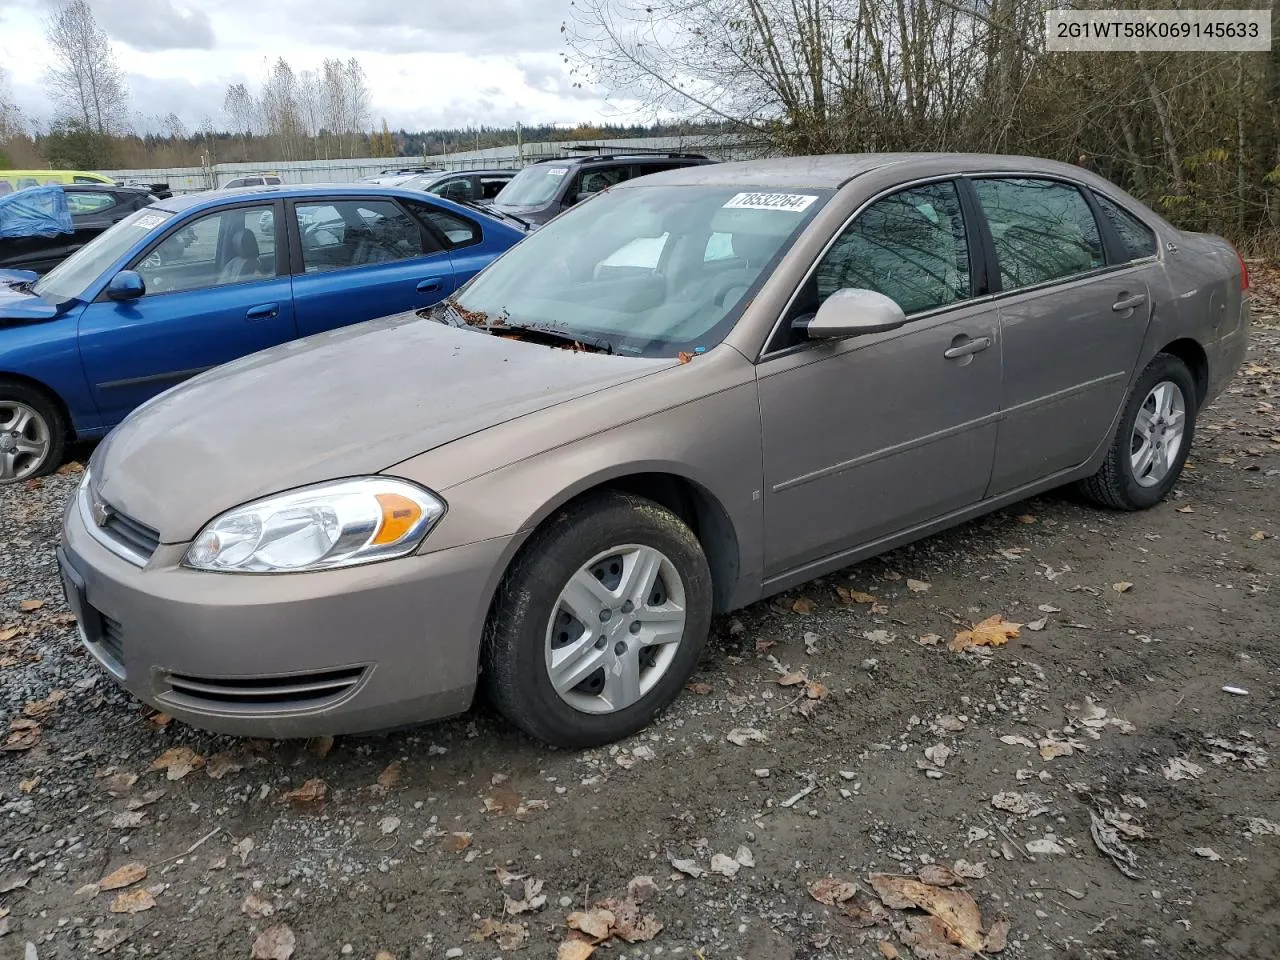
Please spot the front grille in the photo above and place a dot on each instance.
(131, 534)
(299, 691)
(112, 641)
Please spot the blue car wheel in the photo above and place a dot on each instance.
(32, 433)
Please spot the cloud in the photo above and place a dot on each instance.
(152, 25)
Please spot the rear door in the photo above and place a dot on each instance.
(356, 258)
(1072, 320)
(217, 288)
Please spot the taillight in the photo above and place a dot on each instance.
(1244, 272)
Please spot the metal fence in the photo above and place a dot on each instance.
(191, 179)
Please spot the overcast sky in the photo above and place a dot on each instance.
(444, 64)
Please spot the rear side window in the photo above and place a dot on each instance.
(1043, 230)
(910, 246)
(272, 180)
(490, 187)
(81, 202)
(458, 231)
(1136, 237)
(459, 189)
(78, 179)
(355, 233)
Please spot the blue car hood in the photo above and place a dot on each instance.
(18, 304)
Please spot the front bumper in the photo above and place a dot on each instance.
(289, 655)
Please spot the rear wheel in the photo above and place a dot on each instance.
(1152, 441)
(599, 622)
(32, 435)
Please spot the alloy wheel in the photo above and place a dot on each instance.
(1158, 434)
(615, 629)
(25, 441)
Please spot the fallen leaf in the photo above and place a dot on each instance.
(178, 762)
(815, 690)
(1026, 518)
(956, 909)
(629, 923)
(1048, 608)
(8, 633)
(1262, 827)
(1181, 769)
(1037, 625)
(744, 856)
(832, 892)
(938, 875)
(510, 935)
(1013, 802)
(1187, 508)
(643, 888)
(106, 939)
(129, 820)
(160, 720)
(1125, 823)
(994, 631)
(520, 894)
(744, 735)
(689, 868)
(970, 871)
(118, 783)
(997, 937)
(144, 800)
(456, 842)
(23, 735)
(685, 356)
(124, 876)
(1258, 535)
(277, 942)
(1046, 845)
(1014, 740)
(503, 800)
(27, 786)
(257, 907)
(1207, 852)
(917, 586)
(802, 605)
(791, 679)
(1123, 586)
(888, 950)
(313, 791)
(1051, 749)
(38, 709)
(390, 776)
(320, 746)
(594, 923)
(242, 849)
(701, 689)
(725, 866)
(928, 639)
(575, 950)
(135, 901)
(220, 764)
(881, 637)
(29, 606)
(1107, 839)
(857, 596)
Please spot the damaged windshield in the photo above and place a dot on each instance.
(647, 271)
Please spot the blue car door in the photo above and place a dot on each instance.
(356, 258)
(469, 248)
(216, 288)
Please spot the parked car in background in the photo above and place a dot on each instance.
(256, 180)
(11, 180)
(93, 209)
(699, 389)
(195, 281)
(469, 186)
(160, 191)
(541, 191)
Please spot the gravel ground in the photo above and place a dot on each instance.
(829, 736)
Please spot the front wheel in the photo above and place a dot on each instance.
(599, 623)
(1153, 439)
(32, 436)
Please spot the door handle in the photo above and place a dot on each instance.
(263, 311)
(1128, 303)
(968, 348)
(430, 285)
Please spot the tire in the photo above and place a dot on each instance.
(33, 435)
(604, 543)
(1119, 483)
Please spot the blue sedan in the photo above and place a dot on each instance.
(192, 282)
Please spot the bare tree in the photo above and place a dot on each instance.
(11, 123)
(84, 79)
(280, 108)
(357, 104)
(311, 103)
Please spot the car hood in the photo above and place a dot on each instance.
(350, 402)
(17, 304)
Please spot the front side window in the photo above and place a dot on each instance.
(631, 269)
(344, 234)
(1137, 239)
(458, 189)
(909, 246)
(601, 178)
(490, 187)
(212, 251)
(1043, 230)
(80, 202)
(458, 231)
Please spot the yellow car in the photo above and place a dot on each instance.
(11, 180)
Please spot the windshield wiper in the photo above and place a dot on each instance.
(501, 326)
(493, 212)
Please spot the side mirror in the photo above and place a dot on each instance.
(126, 285)
(851, 312)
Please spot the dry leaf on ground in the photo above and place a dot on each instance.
(994, 631)
(970, 871)
(956, 909)
(744, 735)
(802, 605)
(135, 901)
(118, 783)
(503, 800)
(313, 791)
(1107, 839)
(178, 762)
(129, 820)
(510, 936)
(594, 923)
(220, 764)
(520, 894)
(701, 689)
(257, 906)
(38, 709)
(456, 842)
(688, 867)
(832, 892)
(23, 735)
(124, 876)
(888, 950)
(791, 679)
(938, 875)
(390, 776)
(917, 586)
(724, 865)
(277, 942)
(29, 606)
(575, 950)
(1180, 768)
(997, 937)
(1123, 586)
(319, 747)
(927, 938)
(1207, 852)
(629, 923)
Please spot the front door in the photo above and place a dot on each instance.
(877, 434)
(1070, 325)
(215, 290)
(360, 258)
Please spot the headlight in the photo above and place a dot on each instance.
(329, 525)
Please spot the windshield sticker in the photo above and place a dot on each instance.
(557, 171)
(149, 221)
(786, 202)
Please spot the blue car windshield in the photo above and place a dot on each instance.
(645, 270)
(69, 279)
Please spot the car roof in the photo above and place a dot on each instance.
(101, 187)
(835, 170)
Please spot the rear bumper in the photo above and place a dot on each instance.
(1229, 353)
(293, 655)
